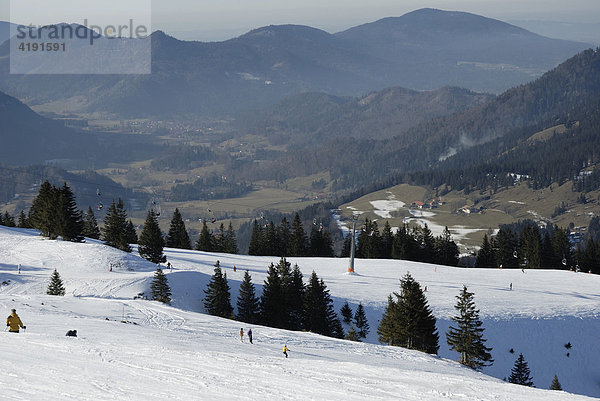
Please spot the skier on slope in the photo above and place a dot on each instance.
(285, 350)
(242, 334)
(14, 322)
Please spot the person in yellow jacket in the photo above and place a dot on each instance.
(14, 322)
(285, 350)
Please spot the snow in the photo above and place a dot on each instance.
(178, 352)
(384, 208)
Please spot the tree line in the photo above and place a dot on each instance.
(525, 245)
(268, 239)
(286, 301)
(408, 243)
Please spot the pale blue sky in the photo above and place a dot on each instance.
(212, 20)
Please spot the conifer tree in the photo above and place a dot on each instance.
(178, 236)
(256, 246)
(408, 321)
(272, 302)
(294, 291)
(270, 241)
(404, 245)
(360, 320)
(70, 223)
(319, 315)
(130, 234)
(90, 225)
(205, 241)
(369, 241)
(160, 287)
(298, 240)
(345, 253)
(23, 221)
(8, 220)
(352, 335)
(485, 255)
(346, 312)
(217, 300)
(467, 338)
(555, 384)
(283, 233)
(248, 307)
(320, 243)
(520, 373)
(506, 245)
(151, 242)
(43, 212)
(219, 239)
(387, 239)
(446, 250)
(56, 286)
(427, 245)
(230, 240)
(114, 231)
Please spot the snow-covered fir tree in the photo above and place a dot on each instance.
(555, 384)
(346, 312)
(248, 305)
(160, 287)
(407, 321)
(56, 286)
(114, 232)
(151, 241)
(217, 299)
(520, 373)
(319, 315)
(90, 224)
(177, 236)
(467, 337)
(360, 320)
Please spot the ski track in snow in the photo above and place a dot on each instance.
(144, 350)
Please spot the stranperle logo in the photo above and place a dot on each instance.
(85, 31)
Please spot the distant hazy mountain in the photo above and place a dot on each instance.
(435, 48)
(7, 29)
(379, 115)
(425, 49)
(30, 138)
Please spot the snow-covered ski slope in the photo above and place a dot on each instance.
(163, 352)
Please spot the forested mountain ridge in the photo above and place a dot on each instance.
(539, 104)
(379, 115)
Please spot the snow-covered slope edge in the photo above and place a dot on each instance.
(179, 353)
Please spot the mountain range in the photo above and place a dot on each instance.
(550, 100)
(424, 49)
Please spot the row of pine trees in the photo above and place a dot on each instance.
(409, 243)
(524, 246)
(287, 240)
(286, 301)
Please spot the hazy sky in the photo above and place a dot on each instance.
(225, 18)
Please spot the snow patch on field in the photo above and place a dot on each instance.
(421, 213)
(384, 208)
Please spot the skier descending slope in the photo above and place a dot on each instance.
(14, 322)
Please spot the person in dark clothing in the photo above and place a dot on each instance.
(250, 335)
